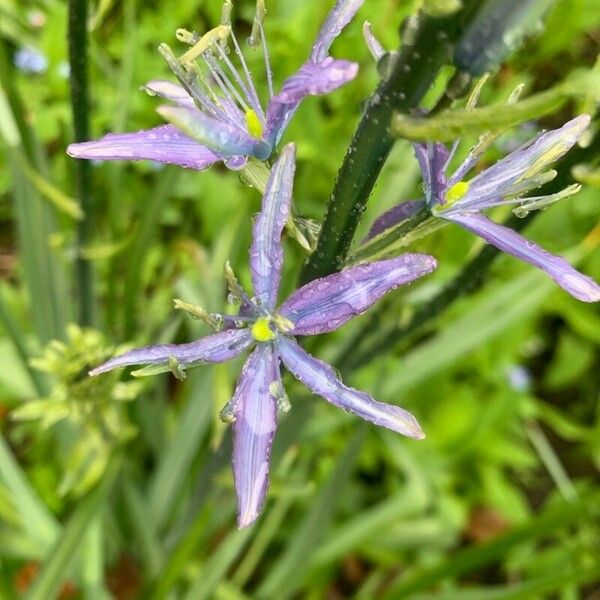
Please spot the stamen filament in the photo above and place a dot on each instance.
(248, 75)
(267, 60)
(223, 81)
(185, 78)
(251, 99)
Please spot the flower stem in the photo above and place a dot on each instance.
(419, 60)
(391, 238)
(257, 174)
(80, 108)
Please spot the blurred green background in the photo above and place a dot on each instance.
(119, 488)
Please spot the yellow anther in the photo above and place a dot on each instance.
(253, 124)
(204, 43)
(456, 192)
(283, 324)
(261, 331)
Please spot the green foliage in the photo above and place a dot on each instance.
(89, 407)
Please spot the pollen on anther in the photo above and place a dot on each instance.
(456, 191)
(261, 330)
(253, 124)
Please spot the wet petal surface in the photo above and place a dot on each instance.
(578, 285)
(220, 136)
(255, 411)
(341, 14)
(165, 144)
(215, 348)
(327, 303)
(320, 378)
(266, 253)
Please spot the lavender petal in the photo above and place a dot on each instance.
(530, 159)
(432, 159)
(215, 348)
(220, 136)
(394, 216)
(164, 144)
(578, 285)
(169, 91)
(316, 79)
(266, 254)
(327, 303)
(255, 411)
(320, 378)
(312, 79)
(341, 14)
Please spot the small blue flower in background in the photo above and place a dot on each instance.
(216, 113)
(519, 378)
(320, 306)
(30, 60)
(462, 202)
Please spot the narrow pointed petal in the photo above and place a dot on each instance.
(394, 216)
(316, 79)
(266, 254)
(327, 303)
(255, 411)
(373, 44)
(215, 348)
(164, 144)
(341, 14)
(432, 158)
(313, 79)
(523, 164)
(578, 285)
(221, 137)
(169, 91)
(320, 378)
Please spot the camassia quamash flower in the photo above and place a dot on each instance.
(216, 113)
(463, 202)
(320, 306)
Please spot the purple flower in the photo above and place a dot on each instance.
(318, 307)
(216, 114)
(505, 183)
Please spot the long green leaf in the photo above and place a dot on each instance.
(539, 587)
(67, 548)
(475, 557)
(177, 457)
(286, 574)
(452, 124)
(36, 518)
(493, 313)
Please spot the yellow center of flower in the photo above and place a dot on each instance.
(261, 331)
(456, 192)
(253, 124)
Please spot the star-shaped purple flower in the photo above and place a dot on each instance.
(505, 183)
(216, 113)
(318, 307)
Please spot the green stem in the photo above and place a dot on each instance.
(257, 174)
(390, 238)
(78, 10)
(413, 71)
